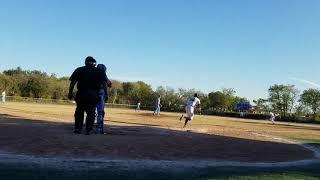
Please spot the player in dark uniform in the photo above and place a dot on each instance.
(88, 79)
(103, 97)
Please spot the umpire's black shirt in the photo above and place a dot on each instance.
(89, 80)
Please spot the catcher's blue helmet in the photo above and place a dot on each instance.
(102, 67)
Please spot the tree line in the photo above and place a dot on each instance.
(286, 100)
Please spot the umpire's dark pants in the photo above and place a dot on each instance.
(79, 116)
(85, 103)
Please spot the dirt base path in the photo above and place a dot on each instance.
(48, 139)
(43, 134)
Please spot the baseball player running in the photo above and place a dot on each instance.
(191, 104)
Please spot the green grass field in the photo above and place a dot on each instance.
(228, 127)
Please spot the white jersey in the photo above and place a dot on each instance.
(3, 99)
(193, 102)
(272, 115)
(158, 101)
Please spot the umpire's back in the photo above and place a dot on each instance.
(89, 80)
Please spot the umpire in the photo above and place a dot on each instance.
(88, 79)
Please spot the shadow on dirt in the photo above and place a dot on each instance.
(49, 139)
(132, 123)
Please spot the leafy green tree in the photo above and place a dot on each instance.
(170, 99)
(127, 88)
(261, 105)
(218, 101)
(230, 92)
(12, 72)
(283, 98)
(301, 110)
(141, 92)
(57, 93)
(224, 100)
(42, 85)
(231, 100)
(35, 87)
(116, 93)
(311, 99)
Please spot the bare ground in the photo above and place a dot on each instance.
(137, 136)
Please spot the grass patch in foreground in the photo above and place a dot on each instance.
(18, 171)
(310, 172)
(270, 176)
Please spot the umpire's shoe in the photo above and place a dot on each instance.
(77, 131)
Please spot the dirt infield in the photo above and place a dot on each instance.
(46, 131)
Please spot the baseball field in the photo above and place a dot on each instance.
(37, 142)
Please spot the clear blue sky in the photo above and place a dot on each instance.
(206, 44)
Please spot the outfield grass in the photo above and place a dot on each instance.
(294, 173)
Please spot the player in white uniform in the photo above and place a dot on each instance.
(3, 97)
(158, 105)
(138, 106)
(272, 117)
(191, 104)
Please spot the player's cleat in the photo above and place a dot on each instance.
(181, 117)
(88, 132)
(97, 130)
(101, 131)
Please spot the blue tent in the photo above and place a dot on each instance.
(243, 106)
